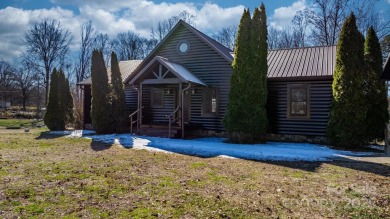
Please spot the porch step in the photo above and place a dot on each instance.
(158, 130)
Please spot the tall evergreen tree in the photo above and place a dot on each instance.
(118, 100)
(235, 119)
(69, 117)
(100, 110)
(54, 116)
(346, 126)
(257, 81)
(377, 115)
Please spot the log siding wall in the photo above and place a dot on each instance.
(215, 71)
(207, 65)
(320, 103)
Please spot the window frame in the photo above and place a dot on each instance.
(204, 92)
(152, 92)
(305, 86)
(188, 47)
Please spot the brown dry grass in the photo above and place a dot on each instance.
(49, 177)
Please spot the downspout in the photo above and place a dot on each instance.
(182, 108)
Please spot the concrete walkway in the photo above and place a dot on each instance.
(380, 159)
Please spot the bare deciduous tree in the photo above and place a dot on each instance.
(163, 27)
(385, 46)
(367, 15)
(102, 43)
(300, 23)
(227, 36)
(288, 37)
(128, 46)
(47, 46)
(83, 66)
(7, 85)
(25, 81)
(326, 20)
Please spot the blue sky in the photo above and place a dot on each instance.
(115, 16)
(38, 4)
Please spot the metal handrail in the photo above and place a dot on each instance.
(136, 121)
(172, 118)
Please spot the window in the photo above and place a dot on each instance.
(210, 102)
(157, 97)
(183, 47)
(298, 101)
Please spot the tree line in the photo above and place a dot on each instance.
(320, 25)
(47, 43)
(47, 46)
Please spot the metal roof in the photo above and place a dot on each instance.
(302, 62)
(178, 70)
(126, 68)
(386, 69)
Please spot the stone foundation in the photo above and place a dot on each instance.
(268, 137)
(297, 138)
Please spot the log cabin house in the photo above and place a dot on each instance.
(181, 88)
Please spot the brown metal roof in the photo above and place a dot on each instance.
(126, 68)
(302, 62)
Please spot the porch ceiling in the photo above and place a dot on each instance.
(178, 70)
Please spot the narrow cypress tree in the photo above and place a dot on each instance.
(100, 110)
(118, 99)
(69, 118)
(53, 119)
(377, 115)
(235, 119)
(62, 101)
(257, 80)
(346, 126)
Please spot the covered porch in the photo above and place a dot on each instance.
(164, 102)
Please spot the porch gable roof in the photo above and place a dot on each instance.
(178, 70)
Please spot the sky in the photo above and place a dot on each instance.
(115, 16)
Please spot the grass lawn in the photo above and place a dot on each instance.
(44, 176)
(15, 122)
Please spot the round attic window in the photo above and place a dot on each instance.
(183, 47)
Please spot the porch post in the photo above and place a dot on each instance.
(180, 103)
(182, 111)
(140, 104)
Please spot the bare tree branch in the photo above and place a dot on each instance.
(83, 66)
(165, 26)
(227, 36)
(47, 46)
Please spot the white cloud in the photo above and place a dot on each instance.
(111, 17)
(15, 22)
(283, 16)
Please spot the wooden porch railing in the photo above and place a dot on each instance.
(172, 118)
(136, 121)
